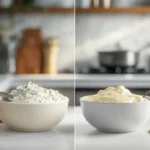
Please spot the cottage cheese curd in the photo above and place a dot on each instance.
(117, 94)
(34, 94)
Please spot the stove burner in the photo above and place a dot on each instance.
(117, 70)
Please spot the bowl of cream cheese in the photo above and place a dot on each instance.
(33, 108)
(116, 109)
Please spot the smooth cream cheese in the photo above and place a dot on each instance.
(117, 94)
(34, 94)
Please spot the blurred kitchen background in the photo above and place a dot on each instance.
(112, 45)
(107, 40)
(37, 44)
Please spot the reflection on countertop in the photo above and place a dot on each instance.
(87, 137)
(61, 138)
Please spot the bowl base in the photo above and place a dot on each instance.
(117, 132)
(29, 130)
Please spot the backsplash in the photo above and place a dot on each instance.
(97, 32)
(52, 25)
(94, 32)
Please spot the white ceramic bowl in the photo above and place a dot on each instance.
(116, 117)
(32, 117)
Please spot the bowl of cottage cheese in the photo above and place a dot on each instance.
(33, 108)
(116, 109)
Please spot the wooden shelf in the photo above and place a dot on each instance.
(36, 10)
(136, 10)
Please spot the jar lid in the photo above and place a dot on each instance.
(52, 41)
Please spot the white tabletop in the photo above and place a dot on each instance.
(88, 138)
(61, 138)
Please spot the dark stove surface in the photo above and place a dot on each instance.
(116, 70)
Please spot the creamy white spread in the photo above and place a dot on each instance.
(117, 94)
(33, 94)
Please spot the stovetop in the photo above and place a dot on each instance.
(116, 70)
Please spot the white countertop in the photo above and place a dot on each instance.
(61, 138)
(105, 80)
(88, 138)
(79, 80)
(54, 81)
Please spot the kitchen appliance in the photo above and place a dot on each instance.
(120, 58)
(116, 70)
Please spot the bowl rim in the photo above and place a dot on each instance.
(17, 103)
(84, 99)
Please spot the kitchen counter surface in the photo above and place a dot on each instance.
(105, 80)
(88, 81)
(61, 138)
(91, 139)
(54, 81)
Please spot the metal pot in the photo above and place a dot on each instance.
(121, 59)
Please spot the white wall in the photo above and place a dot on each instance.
(97, 32)
(52, 25)
(94, 32)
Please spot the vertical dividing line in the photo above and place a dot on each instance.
(74, 73)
